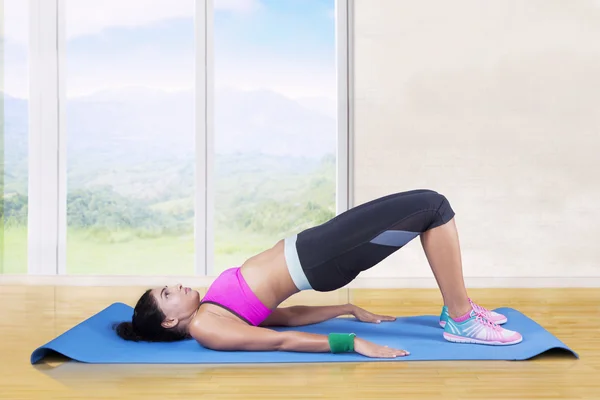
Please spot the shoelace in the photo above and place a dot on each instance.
(484, 321)
(480, 310)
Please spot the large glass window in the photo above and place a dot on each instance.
(130, 78)
(275, 123)
(14, 94)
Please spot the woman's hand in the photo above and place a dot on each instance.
(366, 316)
(373, 350)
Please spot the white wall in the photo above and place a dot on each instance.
(496, 105)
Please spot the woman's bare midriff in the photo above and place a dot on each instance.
(267, 276)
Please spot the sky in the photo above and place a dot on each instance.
(284, 46)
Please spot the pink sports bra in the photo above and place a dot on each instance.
(231, 292)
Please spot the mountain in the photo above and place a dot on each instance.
(141, 141)
(128, 127)
(266, 122)
(15, 128)
(137, 124)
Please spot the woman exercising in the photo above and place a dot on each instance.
(243, 302)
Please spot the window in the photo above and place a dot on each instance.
(14, 94)
(144, 137)
(130, 84)
(275, 123)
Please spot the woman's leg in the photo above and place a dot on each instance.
(331, 255)
(442, 248)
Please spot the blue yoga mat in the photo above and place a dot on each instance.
(95, 341)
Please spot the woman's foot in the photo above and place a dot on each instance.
(492, 316)
(475, 328)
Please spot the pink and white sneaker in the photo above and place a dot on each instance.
(492, 316)
(476, 328)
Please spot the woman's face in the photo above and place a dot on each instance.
(178, 303)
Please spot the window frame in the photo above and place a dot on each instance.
(47, 220)
(44, 200)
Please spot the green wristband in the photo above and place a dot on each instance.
(341, 342)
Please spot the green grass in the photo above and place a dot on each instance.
(258, 201)
(124, 253)
(14, 250)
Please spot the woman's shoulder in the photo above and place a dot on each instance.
(202, 327)
(209, 323)
(212, 312)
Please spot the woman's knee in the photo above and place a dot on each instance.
(428, 209)
(444, 211)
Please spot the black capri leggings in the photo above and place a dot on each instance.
(329, 256)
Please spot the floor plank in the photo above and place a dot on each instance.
(32, 315)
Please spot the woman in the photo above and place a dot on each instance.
(243, 302)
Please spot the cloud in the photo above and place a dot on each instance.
(238, 6)
(15, 17)
(287, 77)
(92, 16)
(291, 78)
(88, 17)
(163, 57)
(332, 14)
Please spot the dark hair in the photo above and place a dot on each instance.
(145, 324)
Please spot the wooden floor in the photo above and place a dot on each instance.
(32, 315)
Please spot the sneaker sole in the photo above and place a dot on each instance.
(499, 322)
(461, 339)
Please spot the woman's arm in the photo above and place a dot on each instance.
(228, 335)
(306, 315)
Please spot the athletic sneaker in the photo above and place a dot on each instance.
(476, 328)
(493, 316)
